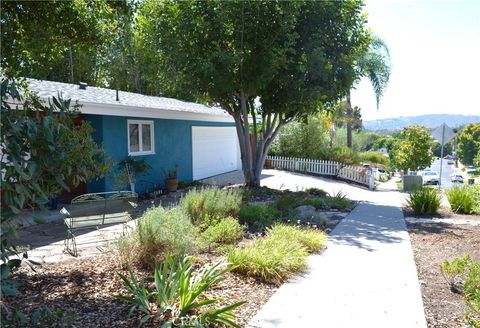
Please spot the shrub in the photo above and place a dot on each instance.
(226, 231)
(258, 216)
(344, 154)
(160, 232)
(384, 177)
(424, 201)
(467, 271)
(207, 206)
(316, 192)
(373, 157)
(286, 204)
(178, 295)
(339, 201)
(463, 199)
(453, 270)
(313, 240)
(472, 287)
(313, 201)
(272, 260)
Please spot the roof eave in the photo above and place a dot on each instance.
(148, 112)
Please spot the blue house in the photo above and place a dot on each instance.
(200, 141)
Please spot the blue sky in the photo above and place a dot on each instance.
(435, 53)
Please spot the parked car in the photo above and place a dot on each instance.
(450, 161)
(430, 177)
(457, 178)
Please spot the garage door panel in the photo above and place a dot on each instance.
(214, 151)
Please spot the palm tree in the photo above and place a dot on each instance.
(375, 65)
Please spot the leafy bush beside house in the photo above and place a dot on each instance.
(33, 173)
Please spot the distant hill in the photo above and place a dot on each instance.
(431, 121)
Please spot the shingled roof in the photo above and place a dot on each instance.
(103, 96)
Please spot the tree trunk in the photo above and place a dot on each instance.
(70, 57)
(253, 156)
(332, 134)
(349, 121)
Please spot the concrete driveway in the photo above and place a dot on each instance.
(282, 180)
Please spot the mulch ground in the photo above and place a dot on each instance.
(88, 288)
(433, 244)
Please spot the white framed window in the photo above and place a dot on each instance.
(140, 138)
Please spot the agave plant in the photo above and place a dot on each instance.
(177, 297)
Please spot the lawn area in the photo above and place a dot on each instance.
(265, 234)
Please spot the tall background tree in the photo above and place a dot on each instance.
(468, 143)
(375, 65)
(411, 149)
(56, 40)
(269, 60)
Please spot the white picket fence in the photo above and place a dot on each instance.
(358, 174)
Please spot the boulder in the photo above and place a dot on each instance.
(308, 213)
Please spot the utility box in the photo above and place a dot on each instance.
(411, 182)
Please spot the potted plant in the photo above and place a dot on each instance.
(171, 181)
(268, 164)
(129, 170)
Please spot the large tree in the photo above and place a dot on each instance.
(263, 62)
(375, 65)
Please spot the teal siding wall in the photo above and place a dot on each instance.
(173, 146)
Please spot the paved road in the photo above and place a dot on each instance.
(447, 171)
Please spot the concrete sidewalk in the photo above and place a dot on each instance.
(366, 278)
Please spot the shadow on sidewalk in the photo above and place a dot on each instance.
(369, 224)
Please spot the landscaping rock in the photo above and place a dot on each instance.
(305, 210)
(308, 213)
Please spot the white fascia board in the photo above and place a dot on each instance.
(129, 111)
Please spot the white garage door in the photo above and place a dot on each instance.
(215, 151)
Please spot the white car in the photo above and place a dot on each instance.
(430, 177)
(457, 178)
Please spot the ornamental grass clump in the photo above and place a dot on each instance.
(272, 260)
(279, 255)
(424, 201)
(313, 240)
(207, 206)
(226, 231)
(463, 199)
(339, 201)
(161, 232)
